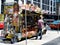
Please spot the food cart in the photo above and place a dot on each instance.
(32, 14)
(21, 22)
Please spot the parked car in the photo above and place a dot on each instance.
(1, 25)
(55, 24)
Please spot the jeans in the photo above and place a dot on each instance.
(39, 33)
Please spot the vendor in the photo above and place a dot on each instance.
(15, 8)
(15, 17)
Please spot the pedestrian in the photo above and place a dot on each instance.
(40, 26)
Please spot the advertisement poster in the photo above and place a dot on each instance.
(8, 8)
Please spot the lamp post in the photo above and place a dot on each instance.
(26, 24)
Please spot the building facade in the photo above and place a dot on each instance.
(48, 6)
(58, 7)
(57, 0)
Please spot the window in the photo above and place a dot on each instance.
(45, 2)
(28, 1)
(47, 7)
(54, 9)
(51, 2)
(42, 1)
(48, 2)
(51, 9)
(44, 7)
(54, 3)
(36, 0)
(37, 4)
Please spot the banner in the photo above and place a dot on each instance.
(8, 9)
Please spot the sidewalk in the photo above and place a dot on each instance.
(50, 35)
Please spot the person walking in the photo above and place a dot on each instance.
(40, 26)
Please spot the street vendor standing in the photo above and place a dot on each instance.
(40, 26)
(15, 21)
